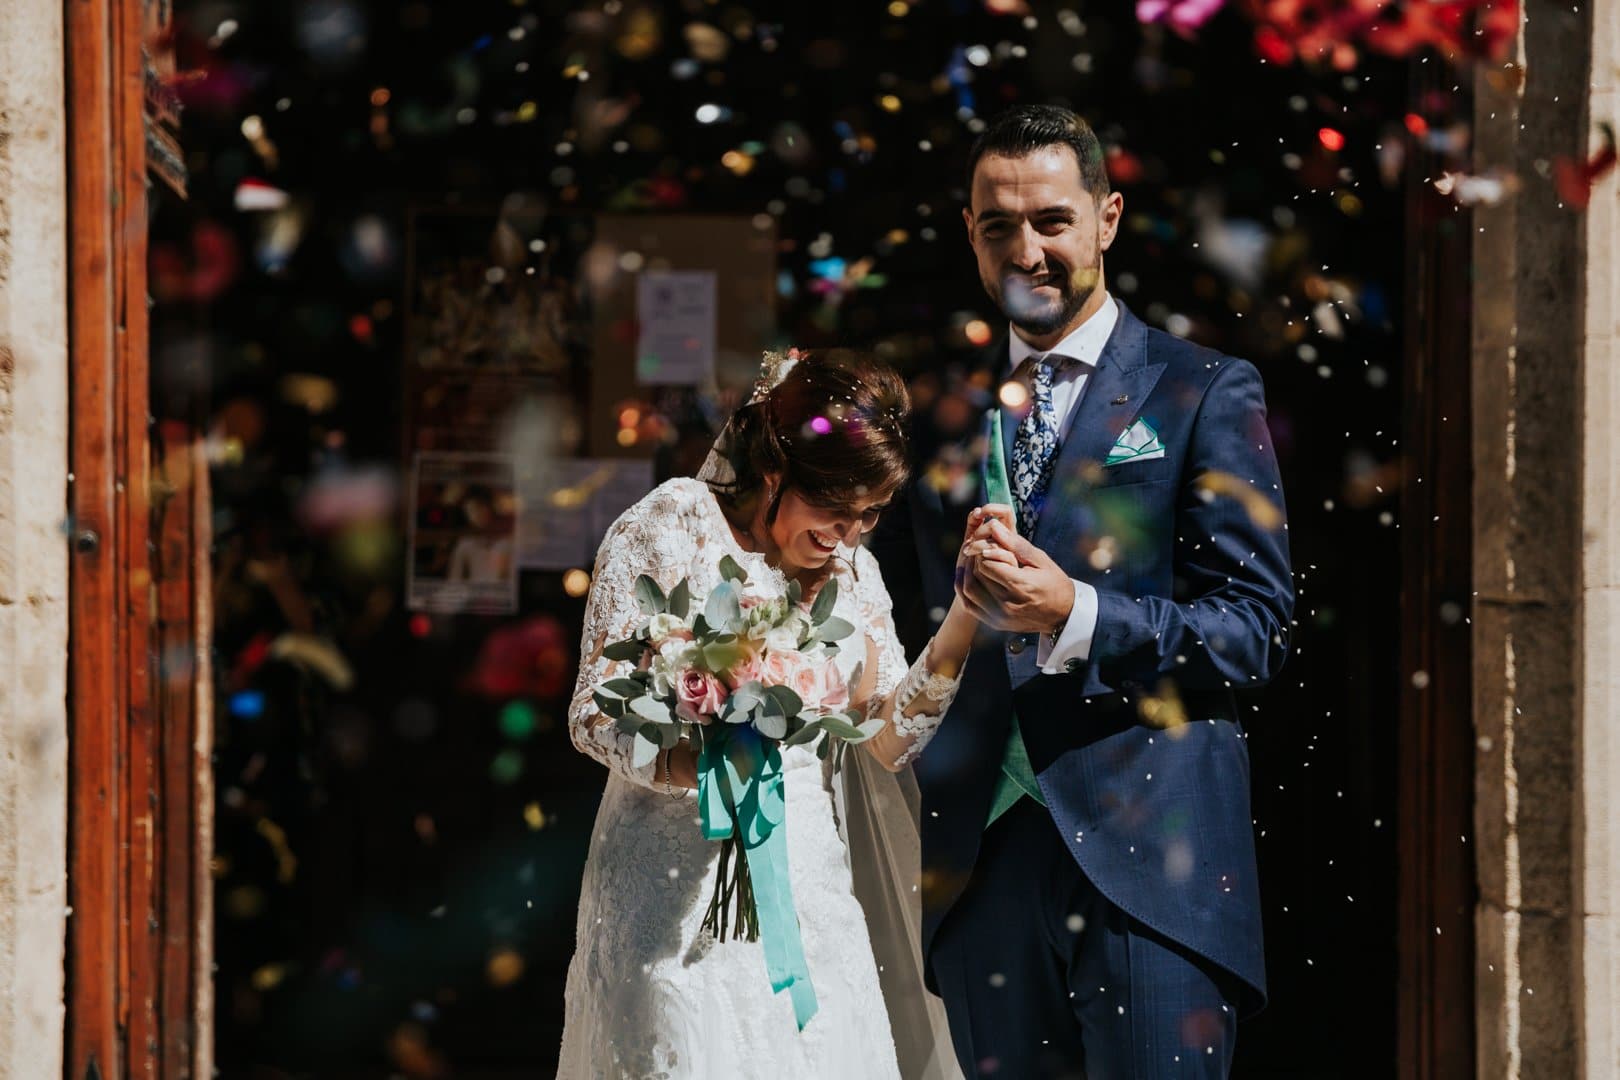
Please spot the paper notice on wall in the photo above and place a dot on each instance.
(462, 524)
(555, 529)
(619, 485)
(569, 505)
(676, 316)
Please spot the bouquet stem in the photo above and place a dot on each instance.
(732, 908)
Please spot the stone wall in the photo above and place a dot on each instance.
(1546, 397)
(33, 556)
(1597, 810)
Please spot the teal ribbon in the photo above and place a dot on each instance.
(740, 793)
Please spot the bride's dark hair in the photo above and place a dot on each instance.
(834, 429)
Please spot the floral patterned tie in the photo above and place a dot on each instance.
(1035, 446)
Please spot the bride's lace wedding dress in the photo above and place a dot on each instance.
(648, 994)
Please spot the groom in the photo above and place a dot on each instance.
(1091, 905)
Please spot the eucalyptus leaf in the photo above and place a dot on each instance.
(649, 597)
(609, 704)
(795, 592)
(730, 571)
(625, 688)
(841, 727)
(628, 649)
(834, 629)
(824, 746)
(680, 601)
(723, 610)
(804, 734)
(872, 727)
(772, 725)
(790, 703)
(669, 736)
(720, 655)
(650, 708)
(822, 609)
(644, 751)
(741, 714)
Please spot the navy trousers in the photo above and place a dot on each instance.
(1043, 977)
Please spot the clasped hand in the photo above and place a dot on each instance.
(1007, 582)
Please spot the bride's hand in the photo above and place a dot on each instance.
(979, 545)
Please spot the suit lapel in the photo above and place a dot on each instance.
(1122, 372)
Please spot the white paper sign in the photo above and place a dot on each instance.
(620, 484)
(555, 526)
(569, 504)
(676, 314)
(462, 528)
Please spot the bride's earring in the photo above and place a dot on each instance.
(767, 499)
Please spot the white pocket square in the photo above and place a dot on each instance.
(1139, 442)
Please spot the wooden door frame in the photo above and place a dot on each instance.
(138, 804)
(1437, 883)
(139, 937)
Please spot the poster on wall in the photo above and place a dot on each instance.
(570, 503)
(676, 319)
(463, 534)
(494, 332)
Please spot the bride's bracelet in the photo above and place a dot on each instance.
(669, 785)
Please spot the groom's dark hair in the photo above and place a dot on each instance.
(1024, 129)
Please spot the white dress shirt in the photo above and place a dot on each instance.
(1085, 343)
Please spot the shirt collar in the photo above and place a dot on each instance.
(1084, 343)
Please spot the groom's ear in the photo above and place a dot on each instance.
(967, 220)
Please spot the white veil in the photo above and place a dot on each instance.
(878, 811)
(878, 816)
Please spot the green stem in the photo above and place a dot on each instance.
(732, 885)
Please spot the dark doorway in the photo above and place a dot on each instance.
(401, 820)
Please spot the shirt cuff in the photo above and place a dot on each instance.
(1074, 644)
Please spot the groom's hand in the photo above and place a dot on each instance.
(1033, 596)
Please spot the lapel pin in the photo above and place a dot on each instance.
(1122, 399)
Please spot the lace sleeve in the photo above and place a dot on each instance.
(877, 617)
(653, 537)
(893, 676)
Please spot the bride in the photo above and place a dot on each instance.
(799, 474)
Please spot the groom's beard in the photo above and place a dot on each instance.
(1036, 317)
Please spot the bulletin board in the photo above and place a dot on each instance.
(739, 252)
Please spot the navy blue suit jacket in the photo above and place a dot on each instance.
(1138, 750)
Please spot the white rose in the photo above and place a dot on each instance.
(782, 639)
(662, 626)
(672, 658)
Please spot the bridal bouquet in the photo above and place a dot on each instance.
(741, 675)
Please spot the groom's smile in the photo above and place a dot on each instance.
(1039, 238)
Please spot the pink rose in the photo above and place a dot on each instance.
(744, 671)
(781, 668)
(821, 686)
(834, 690)
(699, 695)
(807, 684)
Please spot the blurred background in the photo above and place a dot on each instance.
(410, 297)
